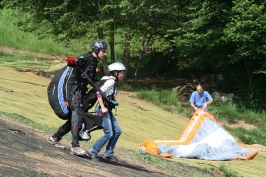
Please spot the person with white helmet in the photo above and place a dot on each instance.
(107, 102)
(84, 69)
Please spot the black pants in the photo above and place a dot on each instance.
(75, 122)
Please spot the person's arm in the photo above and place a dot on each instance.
(71, 61)
(206, 104)
(193, 106)
(105, 88)
(192, 100)
(100, 100)
(210, 100)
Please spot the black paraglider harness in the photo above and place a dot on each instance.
(91, 121)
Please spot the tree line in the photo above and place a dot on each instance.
(220, 37)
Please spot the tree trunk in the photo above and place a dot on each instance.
(105, 64)
(126, 59)
(126, 54)
(162, 61)
(249, 76)
(98, 11)
(100, 33)
(112, 42)
(138, 66)
(143, 43)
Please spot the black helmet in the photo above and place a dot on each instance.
(97, 45)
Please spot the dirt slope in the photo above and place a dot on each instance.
(25, 152)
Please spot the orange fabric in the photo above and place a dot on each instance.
(247, 157)
(256, 147)
(152, 148)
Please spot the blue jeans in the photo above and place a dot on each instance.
(111, 130)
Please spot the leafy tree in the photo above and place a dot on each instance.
(224, 37)
(228, 37)
(64, 19)
(246, 32)
(146, 22)
(199, 32)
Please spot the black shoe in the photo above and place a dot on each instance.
(94, 158)
(110, 158)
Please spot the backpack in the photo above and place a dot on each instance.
(90, 98)
(90, 123)
(59, 92)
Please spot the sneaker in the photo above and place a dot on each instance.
(110, 158)
(77, 151)
(55, 141)
(94, 158)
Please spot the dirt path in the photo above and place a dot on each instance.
(25, 152)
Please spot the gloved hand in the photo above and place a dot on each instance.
(95, 79)
(71, 60)
(98, 69)
(84, 76)
(114, 102)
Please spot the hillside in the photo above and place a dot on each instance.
(24, 94)
(24, 99)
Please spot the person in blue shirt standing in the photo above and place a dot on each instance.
(200, 99)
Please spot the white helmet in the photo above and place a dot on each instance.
(116, 67)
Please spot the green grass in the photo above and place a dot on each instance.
(29, 122)
(227, 170)
(228, 112)
(12, 36)
(19, 39)
(23, 62)
(164, 98)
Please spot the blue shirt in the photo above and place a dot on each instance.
(200, 99)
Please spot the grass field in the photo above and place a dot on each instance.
(24, 93)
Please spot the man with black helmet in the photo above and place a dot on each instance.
(84, 73)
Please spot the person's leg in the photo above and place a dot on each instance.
(76, 122)
(75, 129)
(108, 134)
(116, 133)
(63, 130)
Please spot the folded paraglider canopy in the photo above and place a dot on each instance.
(203, 138)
